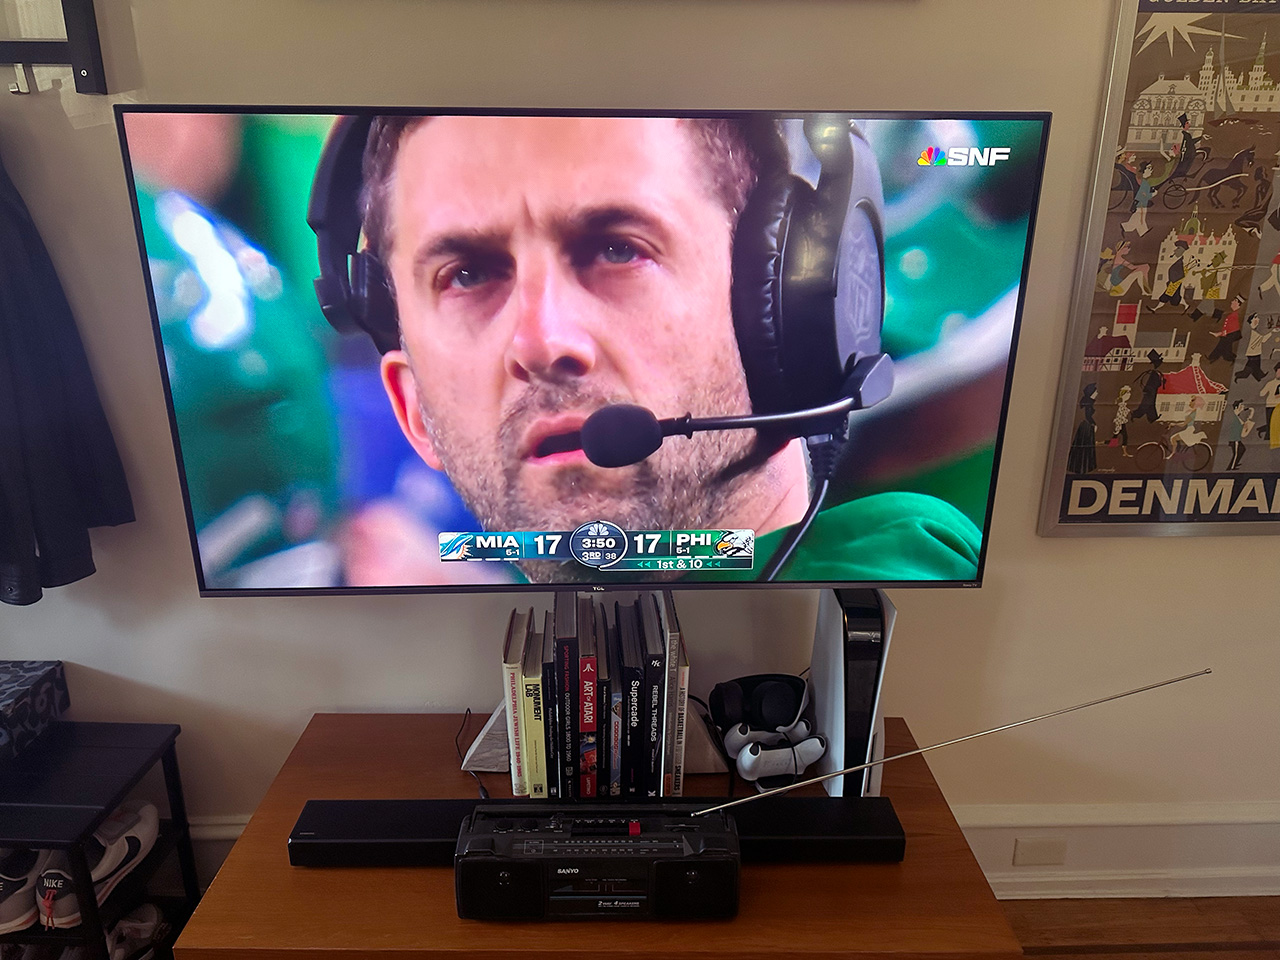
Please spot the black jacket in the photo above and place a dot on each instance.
(60, 473)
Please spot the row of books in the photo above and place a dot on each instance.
(596, 699)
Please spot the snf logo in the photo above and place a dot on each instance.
(962, 156)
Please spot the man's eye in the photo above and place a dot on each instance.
(469, 276)
(618, 251)
(594, 249)
(471, 273)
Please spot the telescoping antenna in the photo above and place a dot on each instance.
(948, 743)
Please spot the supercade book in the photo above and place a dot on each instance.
(632, 701)
(654, 663)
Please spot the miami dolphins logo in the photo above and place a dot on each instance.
(455, 546)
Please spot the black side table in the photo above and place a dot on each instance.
(58, 791)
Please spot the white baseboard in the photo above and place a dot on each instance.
(1112, 850)
(1098, 884)
(206, 829)
(1130, 850)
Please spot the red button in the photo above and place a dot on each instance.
(633, 828)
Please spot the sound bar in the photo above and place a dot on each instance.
(424, 833)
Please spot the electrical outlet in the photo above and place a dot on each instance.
(1039, 852)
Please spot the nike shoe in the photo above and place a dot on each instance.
(115, 848)
(135, 935)
(19, 872)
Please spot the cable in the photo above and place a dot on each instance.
(824, 453)
(792, 539)
(484, 794)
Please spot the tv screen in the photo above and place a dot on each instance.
(469, 350)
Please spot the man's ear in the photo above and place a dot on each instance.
(402, 390)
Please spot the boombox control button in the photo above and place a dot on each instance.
(504, 878)
(502, 826)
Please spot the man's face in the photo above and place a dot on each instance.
(545, 267)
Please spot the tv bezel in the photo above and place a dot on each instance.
(122, 110)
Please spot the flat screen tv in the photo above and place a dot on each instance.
(412, 350)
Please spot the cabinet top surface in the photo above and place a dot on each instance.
(935, 903)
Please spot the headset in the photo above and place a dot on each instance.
(807, 295)
(765, 701)
(761, 719)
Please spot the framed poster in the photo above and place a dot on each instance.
(1167, 417)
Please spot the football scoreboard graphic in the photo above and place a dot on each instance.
(606, 546)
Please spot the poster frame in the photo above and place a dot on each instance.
(1081, 319)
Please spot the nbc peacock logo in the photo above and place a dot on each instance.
(932, 157)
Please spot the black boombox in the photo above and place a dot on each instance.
(549, 862)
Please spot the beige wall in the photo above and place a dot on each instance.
(1058, 621)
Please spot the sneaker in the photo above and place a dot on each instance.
(134, 936)
(115, 848)
(19, 873)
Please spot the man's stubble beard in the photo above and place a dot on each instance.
(687, 484)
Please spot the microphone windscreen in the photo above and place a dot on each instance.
(620, 435)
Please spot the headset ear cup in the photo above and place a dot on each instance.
(808, 286)
(774, 704)
(373, 303)
(726, 704)
(756, 294)
(859, 306)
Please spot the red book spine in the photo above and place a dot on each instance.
(587, 678)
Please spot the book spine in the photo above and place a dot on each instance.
(549, 710)
(602, 736)
(633, 714)
(535, 737)
(567, 688)
(673, 644)
(511, 687)
(654, 685)
(615, 740)
(614, 720)
(587, 756)
(682, 711)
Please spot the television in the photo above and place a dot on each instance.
(464, 350)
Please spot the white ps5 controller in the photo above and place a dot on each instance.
(742, 735)
(757, 761)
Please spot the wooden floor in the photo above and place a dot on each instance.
(1206, 928)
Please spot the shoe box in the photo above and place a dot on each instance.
(33, 693)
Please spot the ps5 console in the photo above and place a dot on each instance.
(846, 670)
